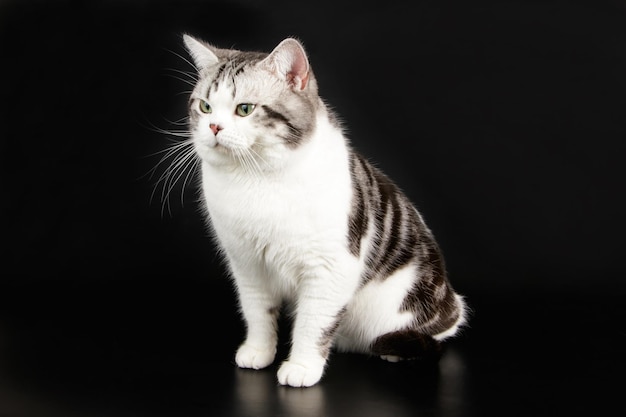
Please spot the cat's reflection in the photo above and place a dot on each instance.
(374, 388)
(453, 397)
(305, 402)
(258, 394)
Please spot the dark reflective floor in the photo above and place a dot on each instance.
(126, 349)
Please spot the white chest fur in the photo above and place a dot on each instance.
(281, 218)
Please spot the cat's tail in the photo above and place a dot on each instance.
(407, 344)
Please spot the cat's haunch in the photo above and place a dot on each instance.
(306, 223)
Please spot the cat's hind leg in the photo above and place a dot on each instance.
(375, 312)
(423, 342)
(406, 344)
(378, 322)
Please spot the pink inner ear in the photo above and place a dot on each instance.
(290, 61)
(299, 74)
(297, 80)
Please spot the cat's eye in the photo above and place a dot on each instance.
(245, 109)
(205, 107)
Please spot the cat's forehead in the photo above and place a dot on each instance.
(237, 73)
(231, 65)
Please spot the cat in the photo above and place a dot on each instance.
(304, 220)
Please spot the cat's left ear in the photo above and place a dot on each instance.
(200, 52)
(290, 62)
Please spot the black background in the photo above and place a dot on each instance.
(504, 121)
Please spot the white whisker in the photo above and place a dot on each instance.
(173, 172)
(178, 162)
(181, 167)
(192, 76)
(185, 59)
(191, 83)
(253, 163)
(184, 93)
(192, 170)
(183, 121)
(257, 155)
(178, 133)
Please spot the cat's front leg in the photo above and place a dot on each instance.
(260, 311)
(311, 343)
(318, 313)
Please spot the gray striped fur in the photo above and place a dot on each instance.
(400, 237)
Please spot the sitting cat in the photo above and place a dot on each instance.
(303, 219)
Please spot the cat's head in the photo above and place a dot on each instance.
(250, 108)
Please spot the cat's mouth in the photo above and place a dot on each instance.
(222, 145)
(225, 141)
(213, 143)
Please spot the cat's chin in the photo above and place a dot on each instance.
(227, 159)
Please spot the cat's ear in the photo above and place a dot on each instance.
(290, 62)
(200, 52)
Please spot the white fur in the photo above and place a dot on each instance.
(284, 234)
(375, 310)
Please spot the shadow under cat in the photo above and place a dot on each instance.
(348, 389)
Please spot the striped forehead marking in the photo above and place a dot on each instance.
(228, 72)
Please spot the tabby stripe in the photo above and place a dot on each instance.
(236, 69)
(273, 114)
(387, 224)
(295, 133)
(358, 220)
(326, 341)
(435, 262)
(391, 251)
(432, 299)
(239, 70)
(379, 206)
(371, 178)
(396, 229)
(392, 232)
(220, 70)
(372, 198)
(401, 245)
(217, 78)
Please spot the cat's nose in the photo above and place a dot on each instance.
(215, 128)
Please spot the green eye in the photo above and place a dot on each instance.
(205, 107)
(245, 109)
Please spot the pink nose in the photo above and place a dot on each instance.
(215, 128)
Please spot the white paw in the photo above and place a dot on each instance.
(252, 357)
(391, 358)
(298, 375)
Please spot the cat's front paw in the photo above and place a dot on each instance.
(251, 357)
(299, 375)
